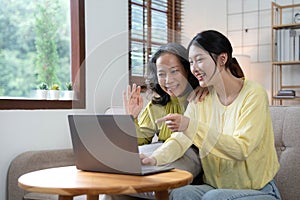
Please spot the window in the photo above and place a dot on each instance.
(76, 60)
(151, 24)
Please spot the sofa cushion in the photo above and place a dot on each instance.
(40, 196)
(287, 142)
(31, 161)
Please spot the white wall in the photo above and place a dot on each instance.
(107, 53)
(107, 64)
(201, 15)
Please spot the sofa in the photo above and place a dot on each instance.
(287, 142)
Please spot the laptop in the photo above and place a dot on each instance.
(108, 143)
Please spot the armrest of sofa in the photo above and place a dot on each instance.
(31, 161)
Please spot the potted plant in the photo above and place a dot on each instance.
(54, 92)
(42, 91)
(69, 93)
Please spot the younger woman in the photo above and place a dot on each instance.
(232, 129)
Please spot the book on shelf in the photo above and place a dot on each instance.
(284, 97)
(286, 93)
(287, 45)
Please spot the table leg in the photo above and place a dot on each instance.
(162, 195)
(92, 197)
(63, 197)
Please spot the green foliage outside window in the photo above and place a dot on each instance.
(34, 45)
(45, 41)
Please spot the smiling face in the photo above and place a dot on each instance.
(171, 75)
(202, 66)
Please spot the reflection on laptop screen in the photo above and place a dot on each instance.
(106, 143)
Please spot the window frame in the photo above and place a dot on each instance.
(174, 26)
(77, 65)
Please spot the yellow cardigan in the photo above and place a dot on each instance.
(236, 142)
(146, 126)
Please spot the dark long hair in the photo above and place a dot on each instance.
(152, 81)
(216, 43)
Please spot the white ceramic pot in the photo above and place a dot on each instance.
(69, 94)
(42, 94)
(54, 94)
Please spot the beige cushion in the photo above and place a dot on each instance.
(40, 196)
(286, 127)
(31, 161)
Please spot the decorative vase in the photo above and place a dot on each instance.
(42, 94)
(54, 94)
(69, 94)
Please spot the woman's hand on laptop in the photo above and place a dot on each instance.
(147, 160)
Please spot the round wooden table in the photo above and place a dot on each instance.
(69, 181)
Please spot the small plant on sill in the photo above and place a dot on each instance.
(55, 87)
(43, 86)
(69, 93)
(69, 86)
(42, 91)
(54, 92)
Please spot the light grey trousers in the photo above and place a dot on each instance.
(206, 192)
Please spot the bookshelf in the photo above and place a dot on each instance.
(285, 51)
